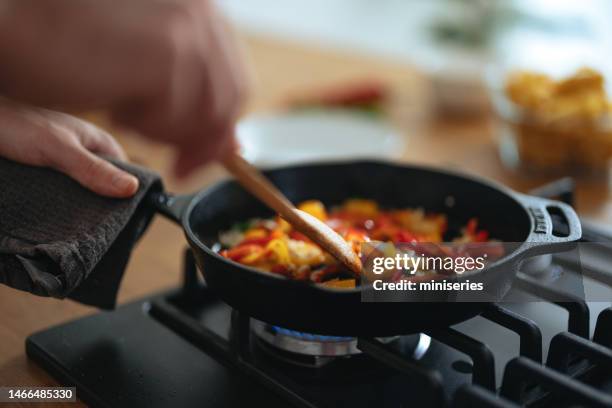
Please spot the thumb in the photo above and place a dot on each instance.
(97, 174)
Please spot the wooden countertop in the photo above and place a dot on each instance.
(279, 70)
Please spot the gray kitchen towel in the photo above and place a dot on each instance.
(59, 239)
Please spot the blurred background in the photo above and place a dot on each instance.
(440, 34)
(459, 59)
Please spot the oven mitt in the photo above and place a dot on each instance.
(59, 239)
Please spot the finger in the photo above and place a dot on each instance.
(185, 163)
(189, 159)
(98, 141)
(91, 136)
(106, 145)
(97, 174)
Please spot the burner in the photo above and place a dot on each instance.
(305, 343)
(315, 350)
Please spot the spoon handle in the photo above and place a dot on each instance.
(258, 185)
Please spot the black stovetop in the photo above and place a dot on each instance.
(186, 348)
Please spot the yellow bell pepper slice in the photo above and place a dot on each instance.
(280, 252)
(363, 208)
(314, 208)
(340, 283)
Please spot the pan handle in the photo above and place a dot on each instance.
(542, 238)
(171, 206)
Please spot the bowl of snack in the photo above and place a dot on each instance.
(557, 126)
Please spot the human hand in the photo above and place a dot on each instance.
(168, 69)
(41, 137)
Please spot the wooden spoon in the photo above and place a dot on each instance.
(251, 179)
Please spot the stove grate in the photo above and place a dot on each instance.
(603, 330)
(570, 358)
(522, 374)
(577, 308)
(482, 358)
(528, 331)
(426, 379)
(474, 396)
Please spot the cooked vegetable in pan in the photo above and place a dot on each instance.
(273, 246)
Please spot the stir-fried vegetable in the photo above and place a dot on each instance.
(273, 245)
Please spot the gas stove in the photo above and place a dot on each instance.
(541, 347)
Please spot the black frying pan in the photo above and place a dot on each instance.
(508, 215)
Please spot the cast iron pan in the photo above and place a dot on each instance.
(509, 216)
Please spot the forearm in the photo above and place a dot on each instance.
(22, 28)
(72, 54)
